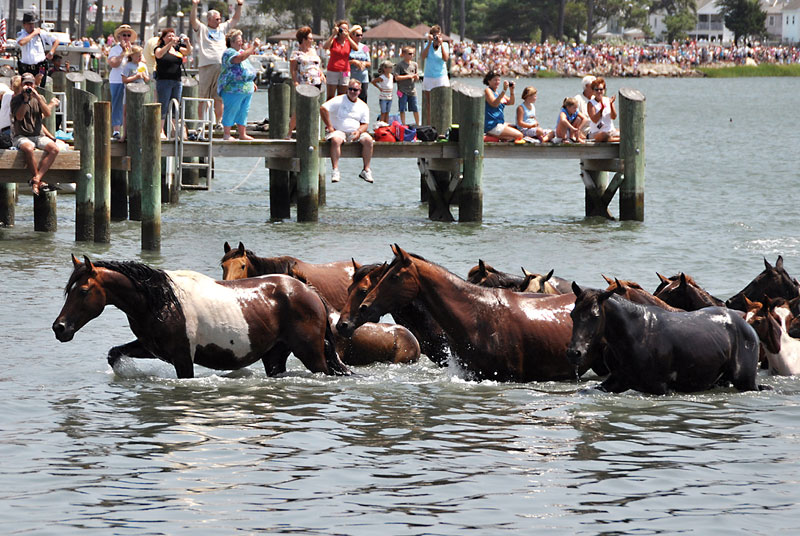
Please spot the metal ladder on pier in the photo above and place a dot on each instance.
(201, 129)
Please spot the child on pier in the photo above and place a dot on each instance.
(526, 118)
(570, 121)
(133, 72)
(385, 83)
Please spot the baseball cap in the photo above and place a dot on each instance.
(28, 77)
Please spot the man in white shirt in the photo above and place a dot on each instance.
(583, 99)
(36, 47)
(346, 118)
(209, 47)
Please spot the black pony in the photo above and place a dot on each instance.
(656, 351)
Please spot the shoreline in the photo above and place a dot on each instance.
(659, 70)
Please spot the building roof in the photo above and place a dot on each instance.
(424, 29)
(288, 35)
(391, 30)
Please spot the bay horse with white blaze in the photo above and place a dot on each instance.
(330, 279)
(185, 317)
(496, 334)
(655, 351)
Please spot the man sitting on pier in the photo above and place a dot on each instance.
(346, 118)
(27, 110)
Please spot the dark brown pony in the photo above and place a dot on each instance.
(773, 282)
(414, 316)
(656, 351)
(683, 292)
(184, 317)
(485, 275)
(632, 291)
(330, 279)
(496, 333)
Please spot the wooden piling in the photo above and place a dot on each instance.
(136, 95)
(151, 177)
(74, 80)
(102, 172)
(93, 83)
(83, 128)
(45, 215)
(631, 152)
(8, 198)
(59, 81)
(48, 122)
(441, 111)
(470, 141)
(308, 153)
(279, 99)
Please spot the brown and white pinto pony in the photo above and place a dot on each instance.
(486, 275)
(330, 279)
(780, 349)
(184, 317)
(496, 333)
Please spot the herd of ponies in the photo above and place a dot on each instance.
(497, 326)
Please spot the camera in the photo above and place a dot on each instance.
(28, 90)
(341, 30)
(511, 84)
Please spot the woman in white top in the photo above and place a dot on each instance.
(5, 108)
(602, 111)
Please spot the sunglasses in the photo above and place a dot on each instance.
(124, 35)
(354, 89)
(28, 83)
(357, 35)
(599, 89)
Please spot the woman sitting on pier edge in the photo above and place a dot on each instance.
(602, 111)
(494, 116)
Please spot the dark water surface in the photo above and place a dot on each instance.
(417, 449)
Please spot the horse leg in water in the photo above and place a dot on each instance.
(131, 349)
(275, 359)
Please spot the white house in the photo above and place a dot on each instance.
(791, 22)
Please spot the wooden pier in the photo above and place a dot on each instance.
(450, 171)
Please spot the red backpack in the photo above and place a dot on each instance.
(384, 134)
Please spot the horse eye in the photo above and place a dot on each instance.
(84, 291)
(361, 292)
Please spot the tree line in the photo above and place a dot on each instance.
(517, 20)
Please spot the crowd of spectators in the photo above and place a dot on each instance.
(604, 59)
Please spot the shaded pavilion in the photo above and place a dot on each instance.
(391, 31)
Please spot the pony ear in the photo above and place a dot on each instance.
(549, 275)
(241, 248)
(402, 255)
(608, 279)
(779, 262)
(75, 262)
(750, 305)
(528, 278)
(663, 279)
(482, 267)
(226, 247)
(394, 247)
(683, 279)
(576, 289)
(88, 263)
(767, 265)
(525, 272)
(356, 266)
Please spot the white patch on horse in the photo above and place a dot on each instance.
(213, 312)
(787, 361)
(722, 319)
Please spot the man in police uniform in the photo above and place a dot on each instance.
(36, 48)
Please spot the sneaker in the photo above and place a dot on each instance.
(115, 136)
(366, 174)
(335, 175)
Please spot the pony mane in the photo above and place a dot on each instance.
(365, 269)
(154, 284)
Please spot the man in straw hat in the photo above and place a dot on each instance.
(117, 57)
(36, 47)
(210, 46)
